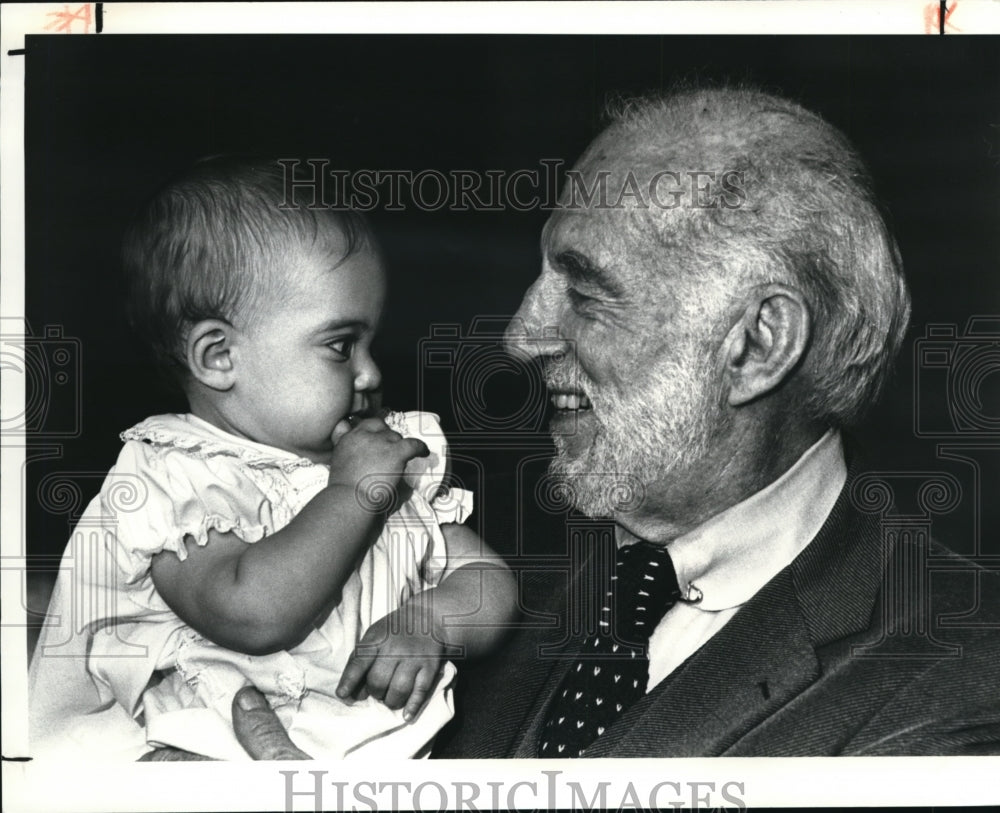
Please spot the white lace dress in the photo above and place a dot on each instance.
(116, 671)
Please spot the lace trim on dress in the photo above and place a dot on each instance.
(190, 441)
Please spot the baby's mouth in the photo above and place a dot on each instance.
(369, 410)
(354, 418)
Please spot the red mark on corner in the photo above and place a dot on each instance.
(65, 19)
(932, 18)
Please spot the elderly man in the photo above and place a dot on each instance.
(711, 318)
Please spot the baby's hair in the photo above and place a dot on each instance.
(205, 244)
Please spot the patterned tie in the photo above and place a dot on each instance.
(612, 670)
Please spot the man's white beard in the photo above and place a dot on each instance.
(657, 429)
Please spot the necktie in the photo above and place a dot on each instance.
(612, 669)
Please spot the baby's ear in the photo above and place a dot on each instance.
(209, 353)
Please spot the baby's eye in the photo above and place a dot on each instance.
(342, 347)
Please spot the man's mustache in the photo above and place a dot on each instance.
(566, 377)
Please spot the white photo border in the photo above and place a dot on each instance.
(199, 786)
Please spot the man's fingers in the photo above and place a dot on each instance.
(259, 730)
(354, 673)
(169, 754)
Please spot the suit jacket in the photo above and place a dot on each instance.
(858, 647)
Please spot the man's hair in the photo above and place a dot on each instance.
(206, 245)
(809, 219)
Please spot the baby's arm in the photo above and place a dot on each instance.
(466, 615)
(263, 597)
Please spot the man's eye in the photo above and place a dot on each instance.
(342, 347)
(577, 299)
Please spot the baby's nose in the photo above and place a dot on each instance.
(368, 379)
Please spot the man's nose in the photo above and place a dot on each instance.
(535, 329)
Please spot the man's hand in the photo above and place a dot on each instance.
(171, 754)
(397, 661)
(257, 727)
(259, 730)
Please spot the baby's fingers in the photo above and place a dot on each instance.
(422, 685)
(342, 428)
(358, 664)
(401, 686)
(415, 448)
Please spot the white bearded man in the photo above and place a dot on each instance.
(710, 341)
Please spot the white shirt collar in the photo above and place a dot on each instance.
(731, 556)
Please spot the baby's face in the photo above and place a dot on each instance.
(305, 362)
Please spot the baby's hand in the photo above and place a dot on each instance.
(371, 449)
(397, 661)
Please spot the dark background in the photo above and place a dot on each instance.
(108, 118)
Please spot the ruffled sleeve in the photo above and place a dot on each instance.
(159, 496)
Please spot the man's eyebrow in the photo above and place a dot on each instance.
(581, 269)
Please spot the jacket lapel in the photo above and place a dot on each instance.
(753, 666)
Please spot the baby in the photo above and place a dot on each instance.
(280, 534)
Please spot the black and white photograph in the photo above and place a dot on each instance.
(518, 399)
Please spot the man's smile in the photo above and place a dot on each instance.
(564, 400)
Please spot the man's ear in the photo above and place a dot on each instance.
(209, 353)
(766, 343)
